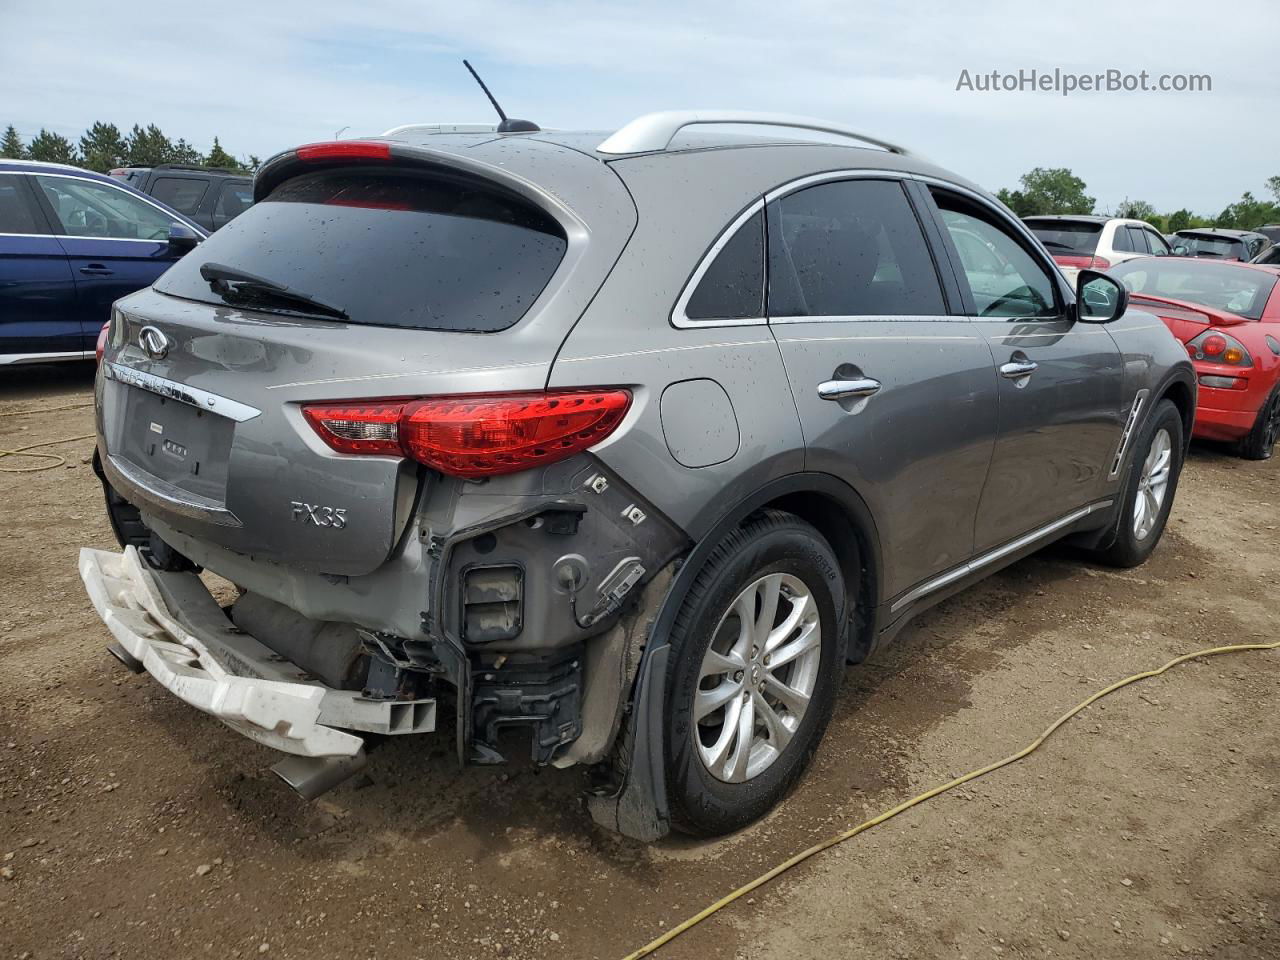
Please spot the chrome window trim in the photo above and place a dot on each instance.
(203, 399)
(874, 318)
(991, 556)
(678, 316)
(134, 194)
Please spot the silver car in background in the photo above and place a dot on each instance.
(626, 442)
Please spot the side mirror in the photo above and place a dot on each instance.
(182, 238)
(1099, 298)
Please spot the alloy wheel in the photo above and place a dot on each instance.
(1152, 485)
(757, 677)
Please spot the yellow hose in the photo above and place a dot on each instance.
(929, 795)
(22, 451)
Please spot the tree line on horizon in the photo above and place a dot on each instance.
(1056, 190)
(103, 147)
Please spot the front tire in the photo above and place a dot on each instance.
(1261, 441)
(1150, 488)
(757, 656)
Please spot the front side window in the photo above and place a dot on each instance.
(85, 208)
(182, 193)
(17, 214)
(850, 248)
(733, 286)
(1008, 283)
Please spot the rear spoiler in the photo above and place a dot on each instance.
(1211, 316)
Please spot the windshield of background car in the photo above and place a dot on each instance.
(395, 248)
(1239, 290)
(1067, 237)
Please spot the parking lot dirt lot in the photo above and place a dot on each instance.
(132, 826)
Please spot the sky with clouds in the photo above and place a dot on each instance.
(267, 75)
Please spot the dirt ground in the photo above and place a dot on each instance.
(132, 826)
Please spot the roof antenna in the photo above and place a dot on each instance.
(506, 126)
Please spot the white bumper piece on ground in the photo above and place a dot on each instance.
(200, 657)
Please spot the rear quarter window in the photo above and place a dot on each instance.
(396, 248)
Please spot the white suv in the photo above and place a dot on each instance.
(1096, 243)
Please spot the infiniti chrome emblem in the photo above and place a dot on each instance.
(153, 343)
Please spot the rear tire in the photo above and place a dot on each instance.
(757, 657)
(1261, 441)
(1149, 489)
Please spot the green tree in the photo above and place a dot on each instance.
(149, 147)
(252, 163)
(1136, 210)
(1273, 184)
(11, 147)
(220, 158)
(184, 152)
(1180, 220)
(52, 148)
(102, 147)
(1048, 191)
(1248, 212)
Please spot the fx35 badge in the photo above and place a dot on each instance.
(332, 517)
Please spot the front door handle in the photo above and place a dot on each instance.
(1017, 369)
(96, 270)
(844, 389)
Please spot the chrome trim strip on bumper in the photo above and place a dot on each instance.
(957, 573)
(193, 651)
(140, 489)
(203, 399)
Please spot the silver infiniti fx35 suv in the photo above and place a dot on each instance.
(624, 444)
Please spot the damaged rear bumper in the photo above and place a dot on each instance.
(173, 628)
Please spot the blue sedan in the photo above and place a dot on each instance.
(71, 244)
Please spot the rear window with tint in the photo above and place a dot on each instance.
(391, 248)
(182, 193)
(1065, 238)
(1239, 290)
(1207, 245)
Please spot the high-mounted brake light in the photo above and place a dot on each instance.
(473, 435)
(345, 150)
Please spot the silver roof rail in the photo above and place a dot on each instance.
(654, 131)
(441, 128)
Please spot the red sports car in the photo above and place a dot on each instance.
(1228, 315)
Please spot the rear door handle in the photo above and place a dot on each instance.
(843, 389)
(96, 270)
(1017, 369)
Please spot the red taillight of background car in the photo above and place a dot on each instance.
(1100, 263)
(101, 347)
(345, 150)
(1217, 347)
(481, 435)
(1080, 263)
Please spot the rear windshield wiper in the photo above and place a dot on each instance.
(231, 283)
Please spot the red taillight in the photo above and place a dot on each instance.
(474, 436)
(1213, 345)
(345, 150)
(1066, 260)
(101, 347)
(1101, 263)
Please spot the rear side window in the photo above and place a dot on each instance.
(1067, 237)
(182, 193)
(850, 248)
(733, 286)
(392, 248)
(1125, 240)
(234, 199)
(17, 212)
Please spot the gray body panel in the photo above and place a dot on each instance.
(947, 472)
